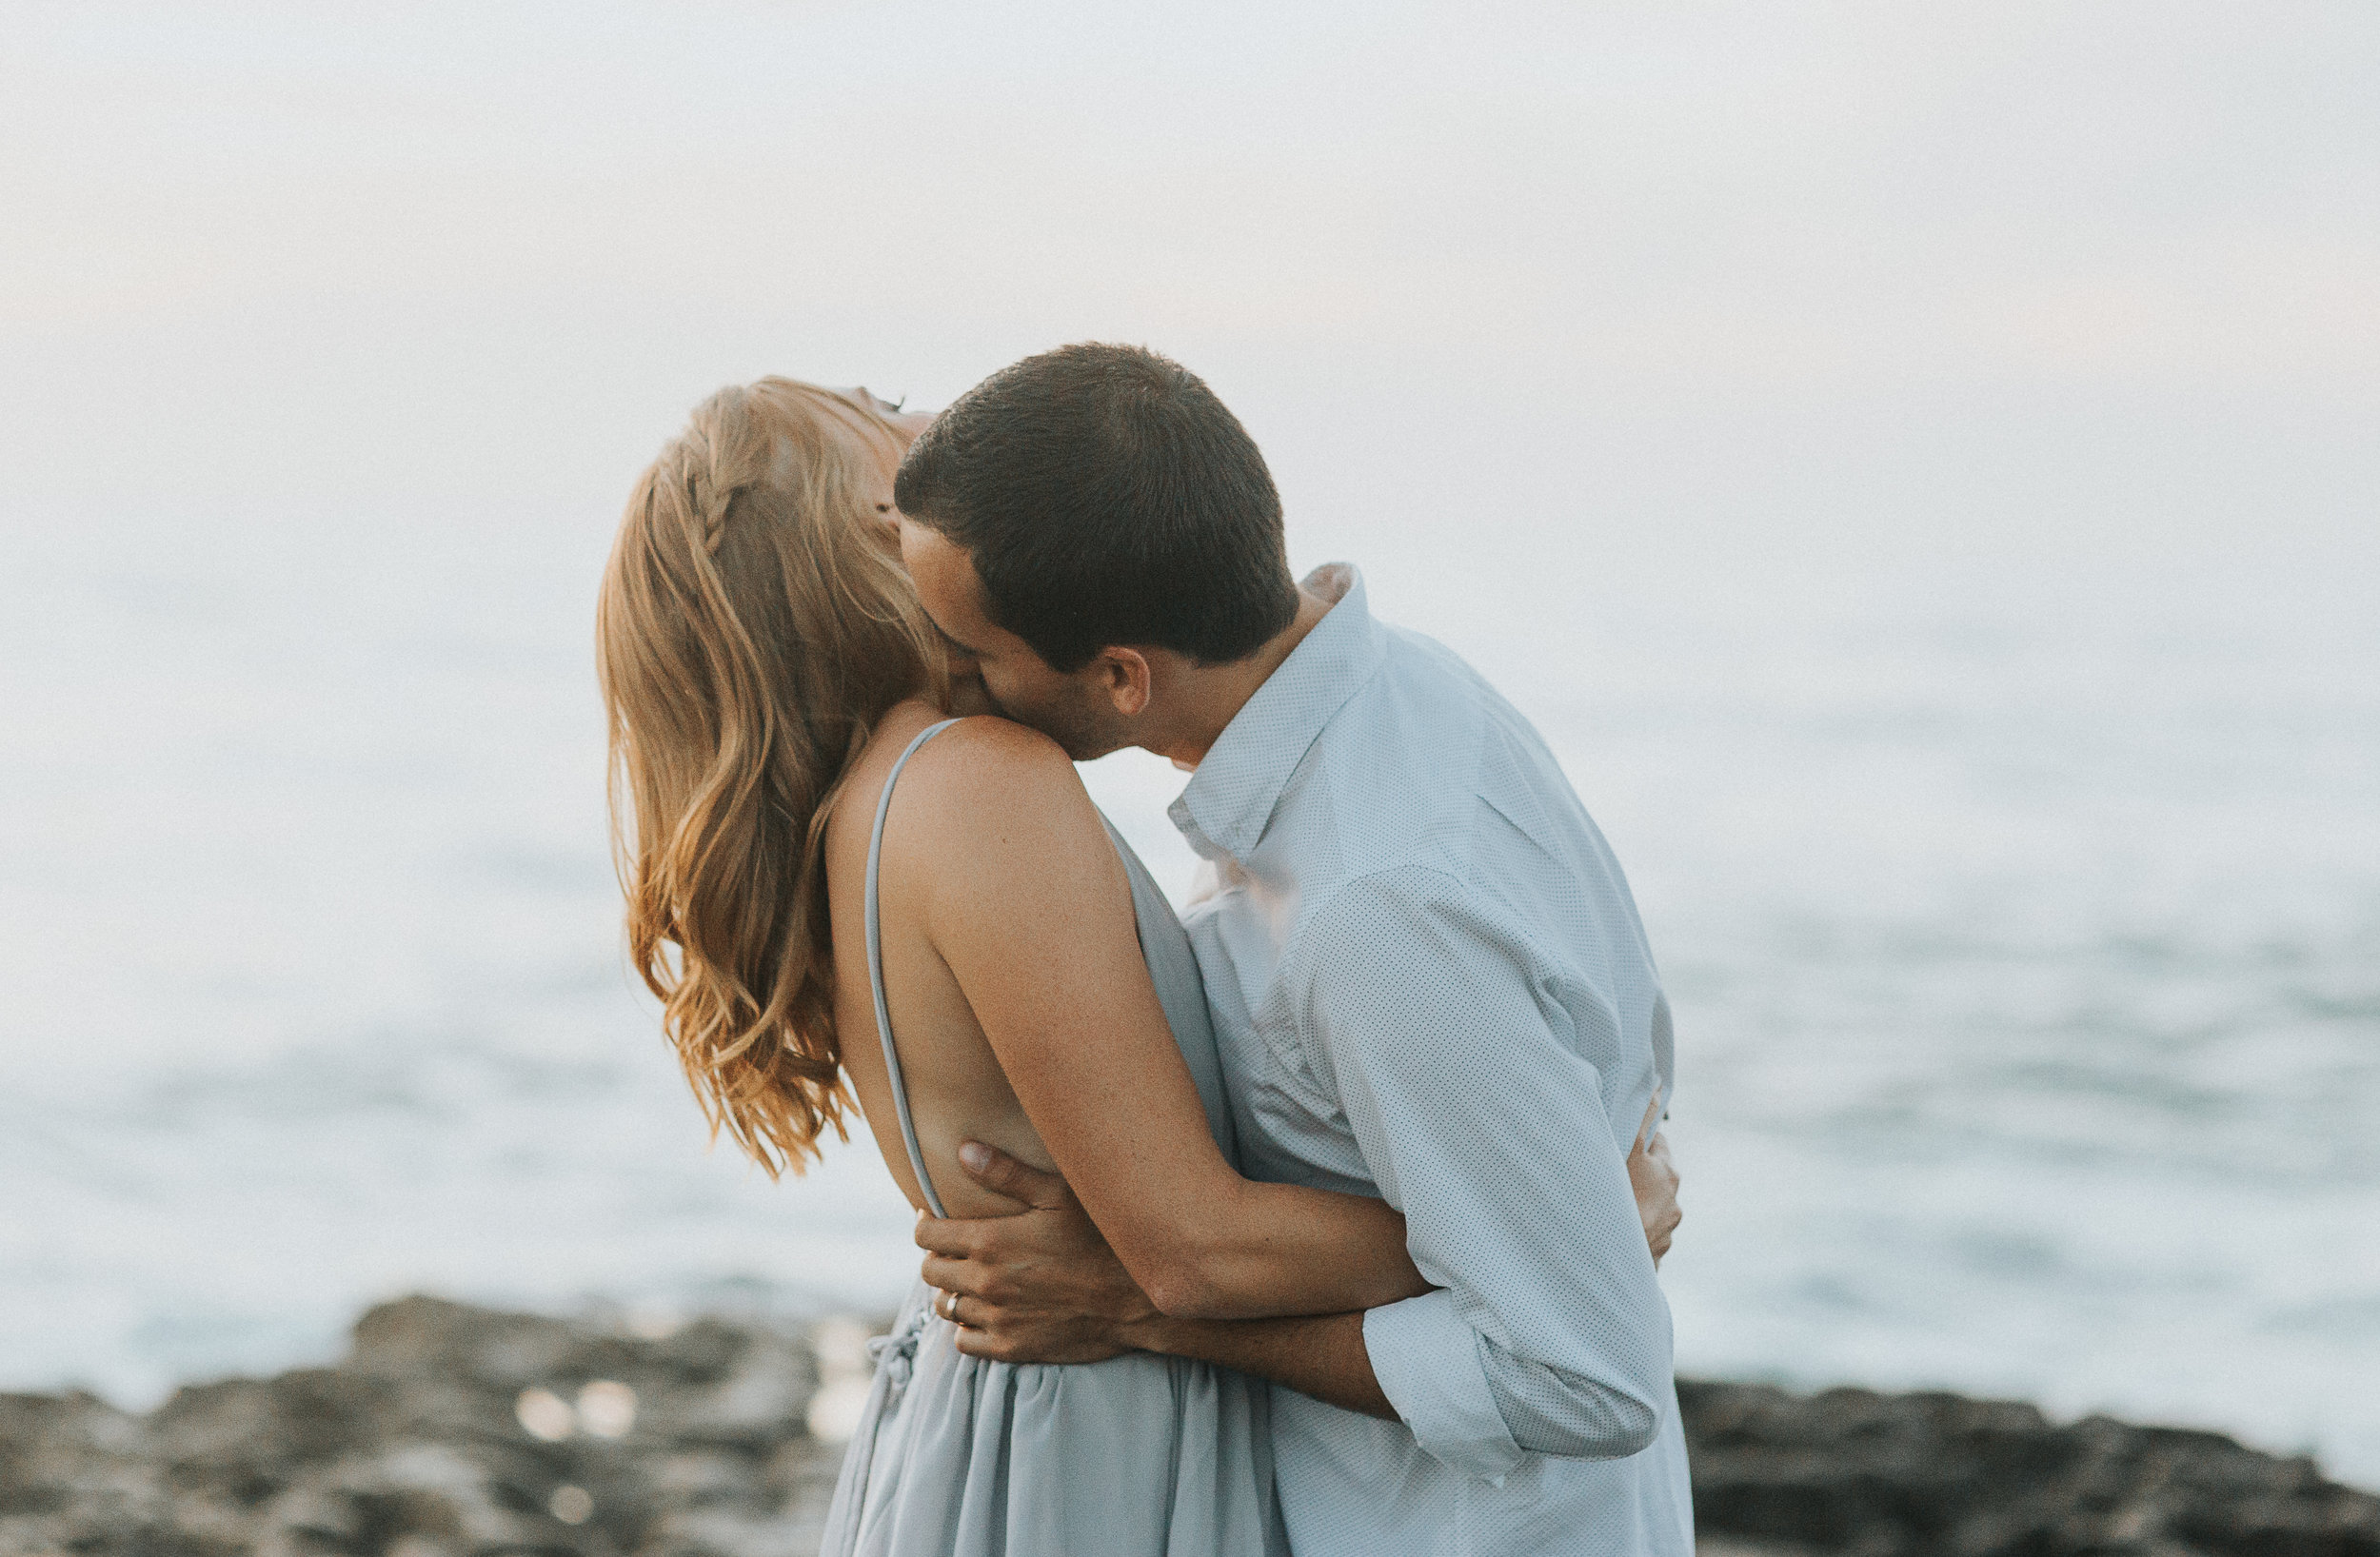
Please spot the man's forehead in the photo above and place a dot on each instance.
(946, 584)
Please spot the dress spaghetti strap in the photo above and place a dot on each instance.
(875, 971)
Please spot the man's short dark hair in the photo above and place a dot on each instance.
(1106, 497)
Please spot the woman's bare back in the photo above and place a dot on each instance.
(988, 871)
(955, 1089)
(1043, 998)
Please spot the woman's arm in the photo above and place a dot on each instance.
(1043, 1287)
(1030, 907)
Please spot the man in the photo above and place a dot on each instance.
(1428, 977)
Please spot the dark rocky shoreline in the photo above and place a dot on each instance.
(454, 1431)
(1873, 1475)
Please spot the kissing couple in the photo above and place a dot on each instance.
(1321, 1219)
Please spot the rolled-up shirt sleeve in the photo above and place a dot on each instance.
(1467, 1083)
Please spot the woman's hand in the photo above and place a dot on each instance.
(1654, 1178)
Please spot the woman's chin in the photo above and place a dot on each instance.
(968, 697)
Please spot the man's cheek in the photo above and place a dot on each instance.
(1003, 690)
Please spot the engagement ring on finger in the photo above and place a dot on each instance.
(950, 1306)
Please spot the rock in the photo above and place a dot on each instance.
(54, 1448)
(244, 1440)
(416, 1445)
(1939, 1475)
(419, 1443)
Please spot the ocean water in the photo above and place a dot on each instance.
(2022, 921)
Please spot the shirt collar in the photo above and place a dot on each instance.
(1231, 797)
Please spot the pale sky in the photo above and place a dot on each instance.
(1958, 274)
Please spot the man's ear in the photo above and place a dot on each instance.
(1124, 674)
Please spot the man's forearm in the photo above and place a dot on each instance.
(1321, 1356)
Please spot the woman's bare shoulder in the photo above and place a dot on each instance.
(987, 766)
(989, 801)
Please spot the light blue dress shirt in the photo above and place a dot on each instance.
(1429, 983)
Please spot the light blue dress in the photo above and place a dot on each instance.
(1137, 1456)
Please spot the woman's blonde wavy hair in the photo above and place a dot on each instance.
(755, 624)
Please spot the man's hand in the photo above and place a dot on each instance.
(1654, 1178)
(1040, 1286)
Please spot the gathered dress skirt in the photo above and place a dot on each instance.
(1136, 1456)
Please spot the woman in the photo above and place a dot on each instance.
(878, 896)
